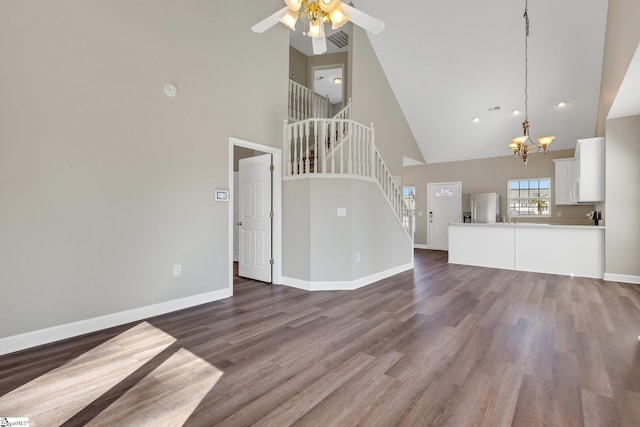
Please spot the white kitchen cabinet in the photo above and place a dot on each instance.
(571, 250)
(589, 170)
(565, 181)
(581, 179)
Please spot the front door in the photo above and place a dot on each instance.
(254, 212)
(444, 207)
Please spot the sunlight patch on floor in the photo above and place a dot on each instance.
(56, 396)
(167, 396)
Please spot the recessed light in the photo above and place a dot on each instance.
(337, 80)
(562, 104)
(476, 119)
(516, 112)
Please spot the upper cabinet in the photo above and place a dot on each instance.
(565, 181)
(581, 178)
(590, 170)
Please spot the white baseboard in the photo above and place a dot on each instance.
(292, 282)
(344, 285)
(419, 246)
(68, 330)
(622, 278)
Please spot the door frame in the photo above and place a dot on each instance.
(428, 197)
(276, 197)
(311, 78)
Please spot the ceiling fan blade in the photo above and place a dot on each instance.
(319, 45)
(361, 19)
(270, 21)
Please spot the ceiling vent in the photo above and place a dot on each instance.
(340, 39)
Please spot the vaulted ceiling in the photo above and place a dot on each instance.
(464, 59)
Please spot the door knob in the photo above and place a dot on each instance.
(239, 222)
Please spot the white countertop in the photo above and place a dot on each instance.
(527, 225)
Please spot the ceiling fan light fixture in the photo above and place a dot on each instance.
(338, 18)
(316, 29)
(294, 5)
(290, 19)
(329, 5)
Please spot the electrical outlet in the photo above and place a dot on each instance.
(559, 214)
(177, 270)
(357, 256)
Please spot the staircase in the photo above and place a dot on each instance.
(319, 146)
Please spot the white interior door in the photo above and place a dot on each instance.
(254, 211)
(444, 206)
(236, 217)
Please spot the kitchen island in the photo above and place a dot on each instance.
(572, 250)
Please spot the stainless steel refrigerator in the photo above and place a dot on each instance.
(485, 207)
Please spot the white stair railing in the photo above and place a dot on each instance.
(345, 113)
(305, 103)
(341, 147)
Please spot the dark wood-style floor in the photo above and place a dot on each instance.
(440, 345)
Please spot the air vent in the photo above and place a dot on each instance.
(340, 39)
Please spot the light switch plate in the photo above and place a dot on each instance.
(342, 211)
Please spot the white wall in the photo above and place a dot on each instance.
(106, 182)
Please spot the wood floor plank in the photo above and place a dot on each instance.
(488, 400)
(593, 373)
(627, 406)
(599, 411)
(439, 345)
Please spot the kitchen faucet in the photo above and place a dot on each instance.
(515, 219)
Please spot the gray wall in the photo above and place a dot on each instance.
(296, 235)
(331, 241)
(298, 70)
(622, 240)
(373, 100)
(622, 237)
(106, 182)
(377, 234)
(621, 40)
(320, 246)
(490, 175)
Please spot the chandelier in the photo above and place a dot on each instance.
(523, 146)
(315, 13)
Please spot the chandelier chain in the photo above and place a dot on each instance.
(526, 61)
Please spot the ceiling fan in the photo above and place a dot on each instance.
(316, 13)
